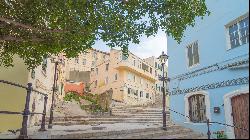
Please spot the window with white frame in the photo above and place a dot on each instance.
(141, 93)
(193, 54)
(238, 31)
(84, 61)
(129, 76)
(77, 60)
(116, 76)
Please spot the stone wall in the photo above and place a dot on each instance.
(105, 99)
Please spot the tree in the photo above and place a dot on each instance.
(41, 28)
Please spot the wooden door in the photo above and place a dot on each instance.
(240, 112)
(197, 108)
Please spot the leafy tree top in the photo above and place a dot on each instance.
(37, 28)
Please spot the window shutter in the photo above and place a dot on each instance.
(190, 58)
(196, 53)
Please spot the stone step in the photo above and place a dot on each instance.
(111, 118)
(101, 122)
(102, 134)
(150, 134)
(191, 135)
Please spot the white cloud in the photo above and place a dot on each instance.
(152, 46)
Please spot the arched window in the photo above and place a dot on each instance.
(197, 108)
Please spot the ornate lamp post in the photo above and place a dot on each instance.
(54, 90)
(163, 58)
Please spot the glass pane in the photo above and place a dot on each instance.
(196, 53)
(244, 30)
(190, 56)
(234, 36)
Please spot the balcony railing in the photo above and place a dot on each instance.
(125, 64)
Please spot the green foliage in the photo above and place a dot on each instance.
(220, 135)
(71, 95)
(37, 28)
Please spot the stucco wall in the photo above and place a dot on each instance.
(12, 98)
(213, 48)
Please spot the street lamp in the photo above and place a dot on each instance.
(163, 58)
(54, 90)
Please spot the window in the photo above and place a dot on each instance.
(92, 69)
(124, 57)
(197, 108)
(84, 61)
(155, 73)
(44, 65)
(156, 65)
(141, 93)
(156, 86)
(147, 95)
(134, 78)
(33, 74)
(106, 80)
(96, 70)
(134, 63)
(239, 32)
(116, 76)
(129, 76)
(93, 63)
(136, 93)
(129, 90)
(141, 81)
(151, 70)
(94, 54)
(96, 83)
(77, 60)
(145, 67)
(193, 54)
(107, 67)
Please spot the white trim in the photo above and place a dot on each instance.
(207, 103)
(228, 109)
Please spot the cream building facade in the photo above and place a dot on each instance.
(134, 81)
(13, 98)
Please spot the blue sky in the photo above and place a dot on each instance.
(152, 46)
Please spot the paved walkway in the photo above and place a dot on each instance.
(58, 130)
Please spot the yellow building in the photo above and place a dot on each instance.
(132, 79)
(13, 98)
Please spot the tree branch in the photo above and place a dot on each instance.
(10, 38)
(29, 27)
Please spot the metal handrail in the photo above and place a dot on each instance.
(13, 84)
(10, 112)
(22, 86)
(26, 112)
(209, 123)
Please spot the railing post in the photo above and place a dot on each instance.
(208, 130)
(26, 113)
(44, 114)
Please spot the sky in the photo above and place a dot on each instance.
(152, 46)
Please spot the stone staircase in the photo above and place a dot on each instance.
(121, 120)
(120, 114)
(173, 132)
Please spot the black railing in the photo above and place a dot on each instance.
(210, 123)
(26, 112)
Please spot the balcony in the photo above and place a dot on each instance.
(126, 65)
